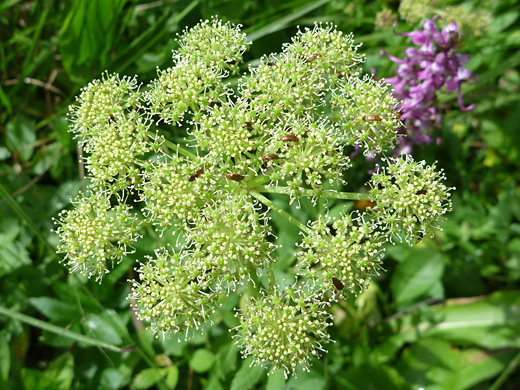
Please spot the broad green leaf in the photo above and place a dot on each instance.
(56, 311)
(115, 378)
(420, 270)
(491, 322)
(147, 378)
(483, 365)
(438, 365)
(373, 377)
(429, 364)
(202, 360)
(247, 377)
(46, 158)
(275, 381)
(21, 136)
(4, 153)
(501, 22)
(226, 360)
(103, 328)
(13, 256)
(58, 375)
(174, 346)
(172, 376)
(313, 380)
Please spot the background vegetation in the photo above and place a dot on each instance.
(444, 315)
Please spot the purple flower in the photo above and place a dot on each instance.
(422, 72)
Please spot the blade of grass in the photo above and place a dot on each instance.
(513, 365)
(34, 42)
(57, 329)
(285, 21)
(148, 38)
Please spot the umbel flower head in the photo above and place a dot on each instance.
(173, 293)
(288, 129)
(423, 72)
(96, 234)
(410, 198)
(284, 330)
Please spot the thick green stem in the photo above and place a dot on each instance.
(280, 211)
(325, 193)
(181, 150)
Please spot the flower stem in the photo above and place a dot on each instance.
(280, 211)
(325, 193)
(172, 145)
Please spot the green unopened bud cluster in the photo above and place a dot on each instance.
(188, 154)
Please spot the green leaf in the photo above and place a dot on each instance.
(420, 270)
(87, 34)
(226, 360)
(313, 380)
(491, 322)
(59, 374)
(275, 380)
(5, 358)
(435, 364)
(13, 253)
(247, 376)
(285, 21)
(115, 378)
(103, 328)
(21, 136)
(4, 153)
(147, 378)
(373, 377)
(172, 376)
(202, 360)
(501, 22)
(55, 310)
(479, 366)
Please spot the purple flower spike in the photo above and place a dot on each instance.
(422, 72)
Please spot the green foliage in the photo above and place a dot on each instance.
(444, 316)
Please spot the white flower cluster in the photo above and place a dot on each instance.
(288, 128)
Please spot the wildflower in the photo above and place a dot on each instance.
(410, 198)
(351, 255)
(423, 72)
(285, 130)
(95, 233)
(283, 330)
(173, 294)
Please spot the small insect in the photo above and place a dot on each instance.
(372, 118)
(312, 57)
(421, 192)
(270, 156)
(365, 204)
(454, 38)
(270, 63)
(289, 138)
(338, 283)
(398, 115)
(234, 176)
(248, 124)
(196, 174)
